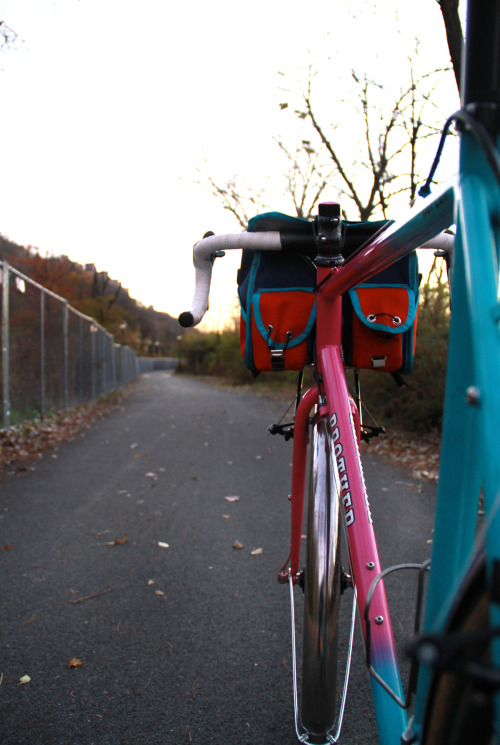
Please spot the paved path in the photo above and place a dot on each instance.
(185, 644)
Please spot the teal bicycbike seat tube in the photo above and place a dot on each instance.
(469, 458)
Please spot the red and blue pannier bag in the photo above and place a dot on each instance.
(278, 303)
(380, 319)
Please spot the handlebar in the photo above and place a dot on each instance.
(204, 254)
(212, 246)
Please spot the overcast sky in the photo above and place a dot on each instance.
(109, 107)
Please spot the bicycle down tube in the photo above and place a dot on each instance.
(336, 405)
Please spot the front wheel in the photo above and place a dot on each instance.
(322, 589)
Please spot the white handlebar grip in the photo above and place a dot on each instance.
(204, 254)
(441, 242)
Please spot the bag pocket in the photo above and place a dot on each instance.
(278, 311)
(380, 321)
(282, 323)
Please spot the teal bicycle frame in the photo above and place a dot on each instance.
(470, 456)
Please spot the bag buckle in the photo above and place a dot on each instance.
(278, 355)
(277, 359)
(378, 363)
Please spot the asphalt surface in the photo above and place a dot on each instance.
(123, 598)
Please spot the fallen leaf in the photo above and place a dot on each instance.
(25, 679)
(75, 662)
(237, 545)
(256, 552)
(232, 499)
(163, 545)
(118, 541)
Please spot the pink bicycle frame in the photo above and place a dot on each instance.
(342, 416)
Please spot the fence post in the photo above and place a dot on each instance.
(5, 345)
(80, 359)
(65, 354)
(112, 353)
(42, 352)
(93, 331)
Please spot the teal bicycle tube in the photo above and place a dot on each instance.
(469, 458)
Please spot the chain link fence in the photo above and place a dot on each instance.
(53, 356)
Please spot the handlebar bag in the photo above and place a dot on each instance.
(277, 297)
(380, 319)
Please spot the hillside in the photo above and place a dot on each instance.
(99, 296)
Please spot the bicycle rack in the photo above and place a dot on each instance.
(422, 569)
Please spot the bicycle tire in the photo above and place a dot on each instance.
(459, 711)
(322, 589)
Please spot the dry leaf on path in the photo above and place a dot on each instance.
(25, 679)
(118, 541)
(75, 662)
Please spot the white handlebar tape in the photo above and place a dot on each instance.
(441, 242)
(204, 254)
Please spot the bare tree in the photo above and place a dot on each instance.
(307, 175)
(240, 201)
(371, 161)
(391, 128)
(8, 36)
